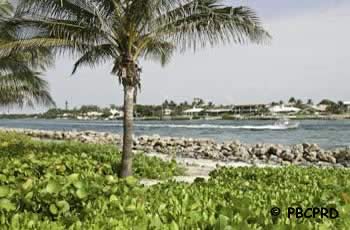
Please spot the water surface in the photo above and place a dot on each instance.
(328, 134)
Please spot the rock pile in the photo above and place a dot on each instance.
(300, 154)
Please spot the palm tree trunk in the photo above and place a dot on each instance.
(126, 166)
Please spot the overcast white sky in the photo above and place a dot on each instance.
(309, 58)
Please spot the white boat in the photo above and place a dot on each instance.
(286, 124)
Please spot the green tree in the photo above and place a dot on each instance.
(127, 31)
(20, 81)
(165, 104)
(172, 104)
(299, 103)
(310, 102)
(327, 102)
(292, 100)
(89, 108)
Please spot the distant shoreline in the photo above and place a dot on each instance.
(251, 118)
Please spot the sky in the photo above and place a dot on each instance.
(308, 58)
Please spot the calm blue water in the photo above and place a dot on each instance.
(328, 134)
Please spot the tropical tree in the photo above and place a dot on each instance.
(292, 100)
(5, 8)
(20, 82)
(127, 31)
(299, 103)
(310, 102)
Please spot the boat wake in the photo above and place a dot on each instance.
(195, 126)
(207, 126)
(202, 126)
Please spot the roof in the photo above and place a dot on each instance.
(193, 110)
(218, 110)
(346, 102)
(284, 109)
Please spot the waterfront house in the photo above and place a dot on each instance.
(347, 104)
(193, 112)
(249, 109)
(167, 112)
(284, 109)
(217, 111)
(320, 107)
(115, 114)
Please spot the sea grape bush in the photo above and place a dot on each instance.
(72, 186)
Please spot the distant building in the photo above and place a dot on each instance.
(193, 111)
(116, 114)
(167, 112)
(284, 109)
(347, 104)
(66, 115)
(320, 107)
(249, 109)
(218, 111)
(94, 114)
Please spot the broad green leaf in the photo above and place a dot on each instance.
(131, 181)
(4, 191)
(113, 198)
(7, 205)
(27, 185)
(73, 177)
(53, 187)
(63, 206)
(53, 209)
(82, 193)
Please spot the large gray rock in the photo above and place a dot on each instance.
(287, 155)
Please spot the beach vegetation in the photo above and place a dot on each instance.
(68, 185)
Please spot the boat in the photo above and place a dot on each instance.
(285, 123)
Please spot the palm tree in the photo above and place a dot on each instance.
(127, 31)
(310, 102)
(5, 8)
(20, 83)
(292, 100)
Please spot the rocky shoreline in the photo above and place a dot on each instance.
(233, 151)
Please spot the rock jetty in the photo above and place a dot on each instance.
(301, 154)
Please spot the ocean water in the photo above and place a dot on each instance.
(328, 134)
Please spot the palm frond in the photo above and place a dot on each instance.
(95, 56)
(6, 8)
(24, 88)
(207, 22)
(159, 50)
(132, 29)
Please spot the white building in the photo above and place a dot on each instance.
(193, 111)
(347, 104)
(218, 111)
(94, 114)
(284, 109)
(167, 112)
(320, 108)
(116, 114)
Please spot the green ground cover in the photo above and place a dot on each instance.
(72, 186)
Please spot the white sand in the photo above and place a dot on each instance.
(197, 167)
